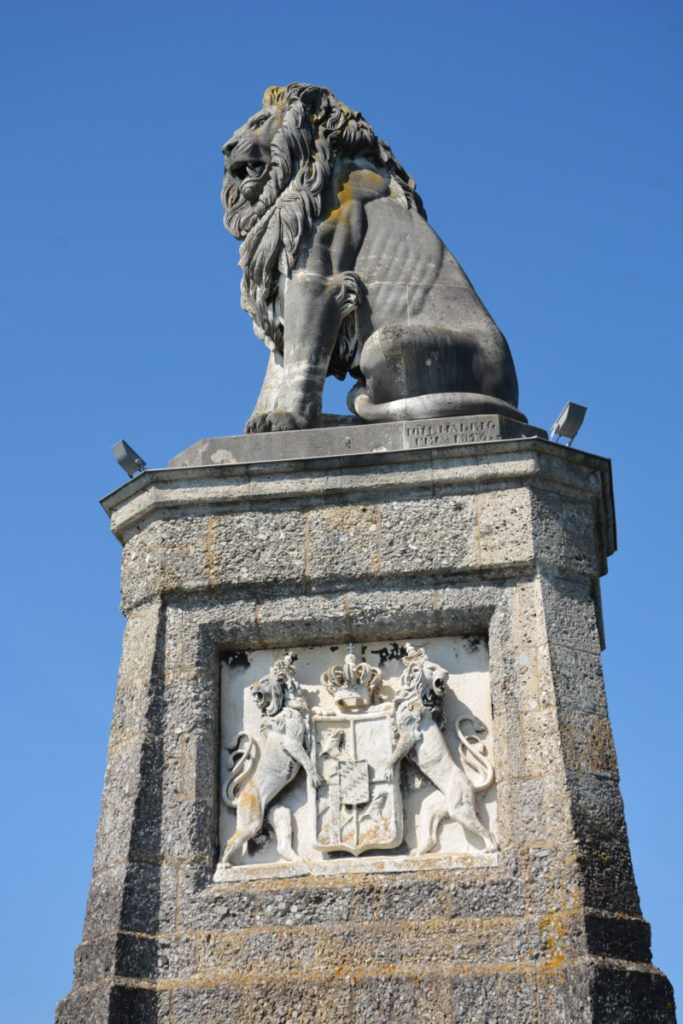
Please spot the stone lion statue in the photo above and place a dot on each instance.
(342, 274)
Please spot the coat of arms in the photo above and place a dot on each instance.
(349, 748)
(358, 803)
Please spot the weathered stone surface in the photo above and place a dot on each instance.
(503, 540)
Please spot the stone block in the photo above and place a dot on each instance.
(504, 528)
(575, 679)
(492, 998)
(563, 993)
(136, 955)
(533, 811)
(632, 996)
(551, 879)
(587, 743)
(86, 1005)
(440, 532)
(385, 998)
(413, 899)
(118, 811)
(342, 542)
(563, 533)
(255, 547)
(189, 695)
(132, 896)
(193, 836)
(286, 620)
(380, 611)
(169, 555)
(129, 1004)
(301, 1000)
(96, 959)
(541, 744)
(618, 937)
(193, 754)
(569, 613)
(483, 895)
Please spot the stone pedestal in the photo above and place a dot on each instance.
(488, 556)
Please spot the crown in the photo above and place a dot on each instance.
(352, 685)
(413, 654)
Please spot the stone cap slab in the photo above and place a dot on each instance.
(352, 438)
(224, 487)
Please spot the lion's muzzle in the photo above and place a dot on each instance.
(248, 165)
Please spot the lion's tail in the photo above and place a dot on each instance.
(473, 750)
(428, 406)
(243, 760)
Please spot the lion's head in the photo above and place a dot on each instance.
(274, 690)
(256, 156)
(277, 167)
(423, 680)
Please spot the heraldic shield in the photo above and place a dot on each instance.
(358, 804)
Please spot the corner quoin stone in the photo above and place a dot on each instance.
(504, 539)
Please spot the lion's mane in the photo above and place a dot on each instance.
(317, 129)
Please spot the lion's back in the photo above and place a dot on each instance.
(409, 274)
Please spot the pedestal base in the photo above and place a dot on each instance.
(230, 562)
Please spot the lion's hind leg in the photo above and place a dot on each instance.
(461, 809)
(433, 812)
(418, 371)
(248, 825)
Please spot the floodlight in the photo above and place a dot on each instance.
(127, 458)
(568, 422)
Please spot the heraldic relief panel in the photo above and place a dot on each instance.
(373, 757)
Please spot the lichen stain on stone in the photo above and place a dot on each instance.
(553, 931)
(345, 198)
(356, 186)
(601, 748)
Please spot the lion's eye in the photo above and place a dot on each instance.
(259, 121)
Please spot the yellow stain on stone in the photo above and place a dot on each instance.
(553, 932)
(357, 186)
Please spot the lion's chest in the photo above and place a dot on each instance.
(286, 723)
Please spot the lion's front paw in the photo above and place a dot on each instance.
(316, 779)
(261, 423)
(280, 420)
(257, 424)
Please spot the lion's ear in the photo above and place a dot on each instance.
(274, 96)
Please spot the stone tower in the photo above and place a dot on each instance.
(361, 766)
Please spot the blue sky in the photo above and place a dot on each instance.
(545, 141)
